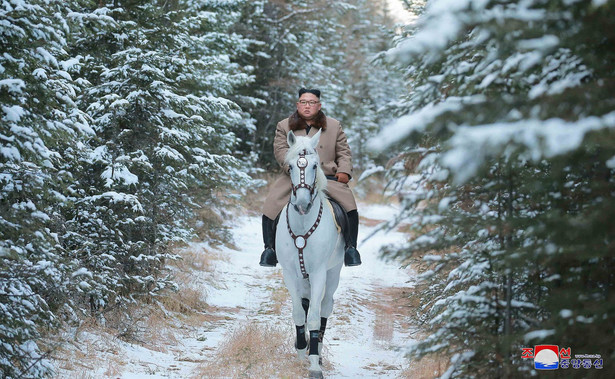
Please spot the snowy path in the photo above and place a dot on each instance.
(365, 327)
(250, 323)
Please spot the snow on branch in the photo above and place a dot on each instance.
(472, 145)
(418, 121)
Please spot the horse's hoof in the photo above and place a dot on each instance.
(315, 369)
(302, 354)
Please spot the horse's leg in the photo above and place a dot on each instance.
(298, 314)
(301, 340)
(301, 343)
(305, 303)
(317, 282)
(333, 279)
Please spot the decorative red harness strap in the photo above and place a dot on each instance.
(301, 241)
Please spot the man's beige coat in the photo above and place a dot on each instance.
(335, 156)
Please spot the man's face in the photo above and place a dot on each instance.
(307, 111)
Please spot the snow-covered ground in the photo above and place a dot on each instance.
(364, 335)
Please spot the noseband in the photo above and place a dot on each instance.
(302, 163)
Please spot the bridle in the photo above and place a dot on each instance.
(301, 240)
(302, 163)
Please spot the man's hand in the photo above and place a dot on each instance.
(342, 177)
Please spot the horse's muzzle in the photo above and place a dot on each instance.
(301, 210)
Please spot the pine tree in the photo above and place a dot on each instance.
(509, 126)
(38, 121)
(367, 83)
(159, 81)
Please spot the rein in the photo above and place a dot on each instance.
(301, 241)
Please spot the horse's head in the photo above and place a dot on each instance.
(308, 179)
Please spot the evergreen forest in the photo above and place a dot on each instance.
(125, 123)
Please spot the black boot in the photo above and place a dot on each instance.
(351, 255)
(268, 258)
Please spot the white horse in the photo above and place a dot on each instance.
(309, 247)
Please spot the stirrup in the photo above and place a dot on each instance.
(268, 258)
(352, 257)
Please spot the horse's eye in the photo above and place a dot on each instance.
(315, 165)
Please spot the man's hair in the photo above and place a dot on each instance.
(312, 91)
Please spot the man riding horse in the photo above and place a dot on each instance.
(335, 160)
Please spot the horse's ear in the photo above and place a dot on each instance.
(315, 139)
(290, 138)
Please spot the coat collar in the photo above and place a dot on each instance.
(295, 122)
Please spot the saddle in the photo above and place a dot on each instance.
(340, 216)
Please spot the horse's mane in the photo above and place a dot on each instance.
(292, 154)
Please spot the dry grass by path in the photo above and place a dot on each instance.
(392, 311)
(279, 295)
(190, 299)
(157, 325)
(431, 366)
(92, 346)
(260, 348)
(255, 350)
(82, 358)
(426, 368)
(389, 305)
